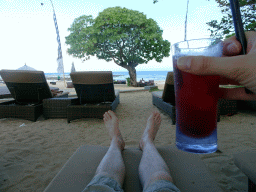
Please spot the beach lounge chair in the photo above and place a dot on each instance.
(227, 107)
(165, 100)
(5, 93)
(188, 171)
(28, 88)
(246, 162)
(95, 92)
(70, 84)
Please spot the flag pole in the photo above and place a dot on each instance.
(186, 19)
(60, 58)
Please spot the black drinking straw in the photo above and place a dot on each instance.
(239, 29)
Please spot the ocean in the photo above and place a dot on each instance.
(146, 75)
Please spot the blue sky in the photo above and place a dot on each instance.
(28, 33)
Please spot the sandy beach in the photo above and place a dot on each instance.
(32, 153)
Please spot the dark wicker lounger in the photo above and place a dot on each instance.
(165, 100)
(5, 93)
(169, 108)
(28, 88)
(188, 171)
(96, 95)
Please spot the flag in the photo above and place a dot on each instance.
(60, 68)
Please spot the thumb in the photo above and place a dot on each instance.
(229, 67)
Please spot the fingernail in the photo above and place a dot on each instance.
(233, 48)
(184, 63)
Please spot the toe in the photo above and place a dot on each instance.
(158, 117)
(107, 116)
(111, 113)
(156, 114)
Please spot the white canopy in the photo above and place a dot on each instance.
(26, 68)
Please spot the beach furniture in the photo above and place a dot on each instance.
(28, 88)
(246, 105)
(57, 107)
(143, 83)
(165, 100)
(246, 162)
(95, 92)
(70, 84)
(5, 93)
(120, 82)
(227, 107)
(188, 171)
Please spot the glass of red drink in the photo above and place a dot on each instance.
(196, 99)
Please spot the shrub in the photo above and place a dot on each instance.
(128, 81)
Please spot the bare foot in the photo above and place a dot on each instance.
(153, 124)
(112, 124)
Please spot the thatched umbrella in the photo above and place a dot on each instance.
(26, 68)
(73, 68)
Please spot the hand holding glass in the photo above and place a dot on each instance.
(196, 99)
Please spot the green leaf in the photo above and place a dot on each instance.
(225, 28)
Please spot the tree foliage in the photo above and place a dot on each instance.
(125, 36)
(225, 27)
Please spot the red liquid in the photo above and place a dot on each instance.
(196, 103)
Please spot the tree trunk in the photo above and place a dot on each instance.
(133, 75)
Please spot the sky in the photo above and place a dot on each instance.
(28, 33)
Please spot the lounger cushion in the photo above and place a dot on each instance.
(94, 86)
(188, 170)
(246, 161)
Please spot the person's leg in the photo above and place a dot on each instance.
(111, 168)
(152, 167)
(112, 164)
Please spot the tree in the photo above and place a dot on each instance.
(125, 36)
(225, 28)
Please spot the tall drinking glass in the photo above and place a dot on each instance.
(196, 99)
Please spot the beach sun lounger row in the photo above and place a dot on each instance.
(95, 95)
(33, 97)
